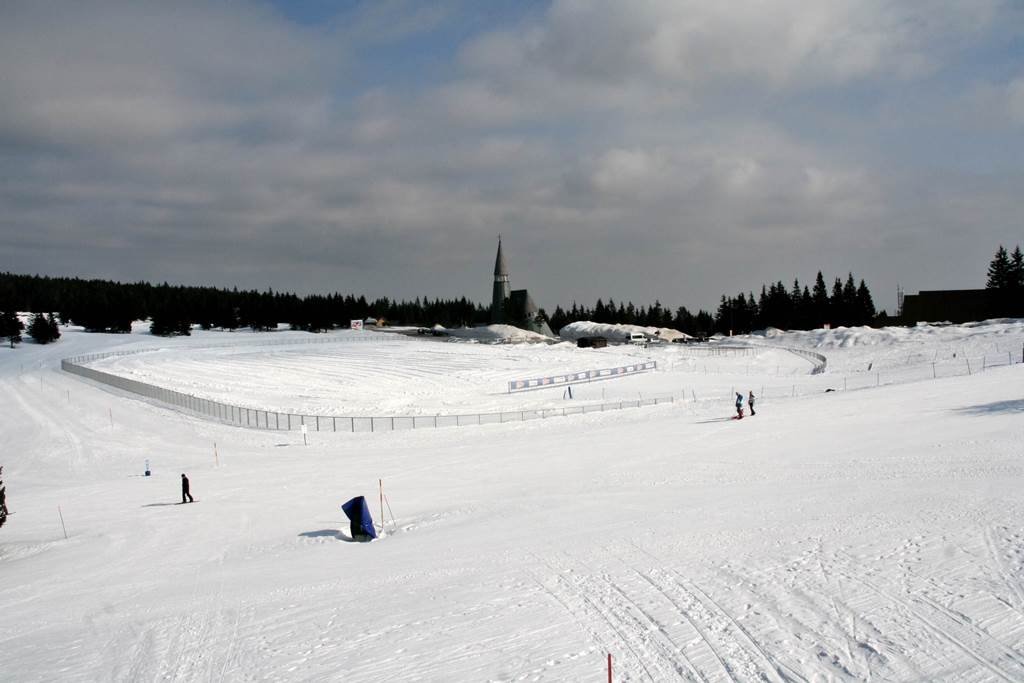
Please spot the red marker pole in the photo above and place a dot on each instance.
(609, 667)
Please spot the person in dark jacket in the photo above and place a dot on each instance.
(184, 490)
(750, 403)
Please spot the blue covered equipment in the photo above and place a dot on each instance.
(360, 521)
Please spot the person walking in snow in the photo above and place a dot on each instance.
(739, 406)
(750, 402)
(184, 490)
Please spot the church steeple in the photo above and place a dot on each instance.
(500, 269)
(501, 289)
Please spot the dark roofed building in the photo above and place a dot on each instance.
(952, 305)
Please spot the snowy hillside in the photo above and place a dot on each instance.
(991, 342)
(868, 534)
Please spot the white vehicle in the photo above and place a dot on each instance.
(638, 338)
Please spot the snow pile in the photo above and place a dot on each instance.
(616, 333)
(923, 333)
(495, 333)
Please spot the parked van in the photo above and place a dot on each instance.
(638, 338)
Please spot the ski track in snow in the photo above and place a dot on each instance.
(879, 541)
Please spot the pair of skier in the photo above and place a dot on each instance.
(739, 404)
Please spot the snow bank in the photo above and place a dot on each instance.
(616, 333)
(495, 333)
(923, 333)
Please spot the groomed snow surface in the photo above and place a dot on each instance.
(872, 533)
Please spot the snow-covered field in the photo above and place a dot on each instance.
(873, 534)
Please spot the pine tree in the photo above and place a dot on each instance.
(39, 329)
(1004, 277)
(559, 319)
(850, 313)
(1016, 278)
(836, 307)
(999, 270)
(3, 499)
(11, 327)
(865, 305)
(51, 322)
(819, 302)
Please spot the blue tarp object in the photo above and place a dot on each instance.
(358, 513)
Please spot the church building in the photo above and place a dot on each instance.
(513, 307)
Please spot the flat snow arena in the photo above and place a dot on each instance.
(867, 533)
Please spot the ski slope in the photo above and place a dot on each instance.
(869, 534)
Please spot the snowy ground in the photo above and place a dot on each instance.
(850, 535)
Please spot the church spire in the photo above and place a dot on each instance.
(500, 268)
(501, 290)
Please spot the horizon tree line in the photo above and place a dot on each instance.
(106, 306)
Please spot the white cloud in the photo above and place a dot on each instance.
(143, 72)
(686, 44)
(159, 140)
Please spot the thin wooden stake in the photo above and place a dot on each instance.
(380, 485)
(62, 523)
(216, 458)
(394, 524)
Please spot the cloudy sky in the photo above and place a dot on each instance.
(662, 149)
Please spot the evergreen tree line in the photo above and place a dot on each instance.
(105, 306)
(797, 308)
(700, 324)
(1006, 282)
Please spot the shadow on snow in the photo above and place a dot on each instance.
(995, 408)
(335, 533)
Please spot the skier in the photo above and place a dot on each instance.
(750, 402)
(184, 490)
(739, 406)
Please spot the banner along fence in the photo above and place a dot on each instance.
(821, 382)
(259, 418)
(581, 377)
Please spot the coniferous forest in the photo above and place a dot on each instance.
(106, 306)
